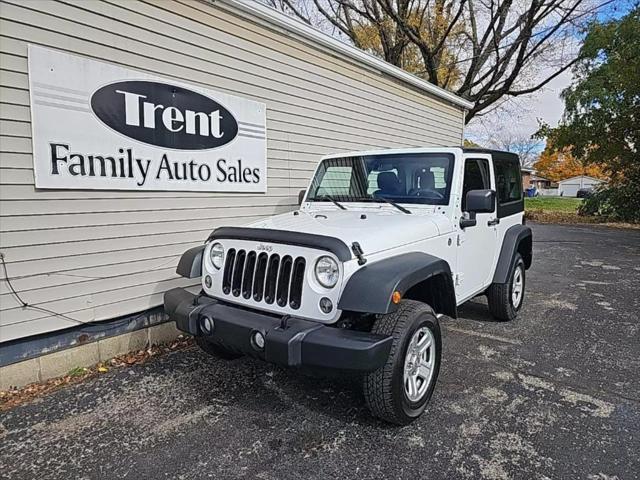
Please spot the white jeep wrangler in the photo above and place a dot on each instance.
(384, 243)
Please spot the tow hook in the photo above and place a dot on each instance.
(357, 251)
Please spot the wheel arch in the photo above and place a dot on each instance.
(190, 264)
(517, 239)
(438, 292)
(417, 276)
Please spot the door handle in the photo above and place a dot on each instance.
(493, 222)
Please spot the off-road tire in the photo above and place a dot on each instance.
(499, 295)
(216, 350)
(384, 390)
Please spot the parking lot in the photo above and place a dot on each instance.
(553, 394)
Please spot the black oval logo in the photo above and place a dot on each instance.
(164, 115)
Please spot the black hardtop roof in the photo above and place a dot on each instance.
(496, 154)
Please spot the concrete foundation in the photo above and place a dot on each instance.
(59, 363)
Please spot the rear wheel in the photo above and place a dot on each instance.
(505, 299)
(399, 391)
(216, 350)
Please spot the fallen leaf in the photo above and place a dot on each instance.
(17, 396)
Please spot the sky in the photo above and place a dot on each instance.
(521, 114)
(519, 117)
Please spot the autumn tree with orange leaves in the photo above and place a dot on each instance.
(558, 165)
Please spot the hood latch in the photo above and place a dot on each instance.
(357, 251)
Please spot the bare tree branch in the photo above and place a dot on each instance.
(506, 41)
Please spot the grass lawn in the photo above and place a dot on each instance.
(563, 210)
(552, 204)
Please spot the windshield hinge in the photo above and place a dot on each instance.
(357, 251)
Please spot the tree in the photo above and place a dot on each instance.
(523, 145)
(482, 51)
(470, 144)
(364, 24)
(601, 123)
(602, 107)
(558, 165)
(370, 28)
(509, 136)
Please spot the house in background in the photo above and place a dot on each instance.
(569, 186)
(526, 176)
(541, 183)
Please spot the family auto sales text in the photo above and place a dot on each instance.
(126, 165)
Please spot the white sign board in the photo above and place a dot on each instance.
(101, 126)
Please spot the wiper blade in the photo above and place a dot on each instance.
(399, 207)
(331, 199)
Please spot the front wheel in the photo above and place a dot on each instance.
(399, 391)
(505, 299)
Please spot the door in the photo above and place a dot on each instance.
(477, 245)
(570, 189)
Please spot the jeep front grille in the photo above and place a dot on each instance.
(266, 278)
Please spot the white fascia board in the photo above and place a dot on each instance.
(282, 20)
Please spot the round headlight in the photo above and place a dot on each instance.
(216, 254)
(327, 272)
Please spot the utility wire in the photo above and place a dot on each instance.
(56, 314)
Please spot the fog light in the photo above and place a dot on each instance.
(207, 281)
(207, 325)
(326, 305)
(258, 340)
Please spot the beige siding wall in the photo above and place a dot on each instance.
(95, 255)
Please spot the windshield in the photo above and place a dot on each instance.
(417, 178)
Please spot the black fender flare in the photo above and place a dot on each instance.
(369, 290)
(190, 264)
(516, 238)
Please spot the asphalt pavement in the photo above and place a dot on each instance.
(554, 394)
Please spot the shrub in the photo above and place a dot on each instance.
(617, 201)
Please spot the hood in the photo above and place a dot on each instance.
(381, 229)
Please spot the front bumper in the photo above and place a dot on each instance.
(294, 343)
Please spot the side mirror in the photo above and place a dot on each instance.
(481, 201)
(477, 201)
(301, 195)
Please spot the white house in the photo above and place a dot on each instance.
(569, 186)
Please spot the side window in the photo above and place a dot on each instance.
(508, 181)
(476, 177)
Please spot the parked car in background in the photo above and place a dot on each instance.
(584, 192)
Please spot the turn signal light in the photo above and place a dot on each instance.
(396, 297)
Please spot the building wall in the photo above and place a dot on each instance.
(570, 186)
(96, 255)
